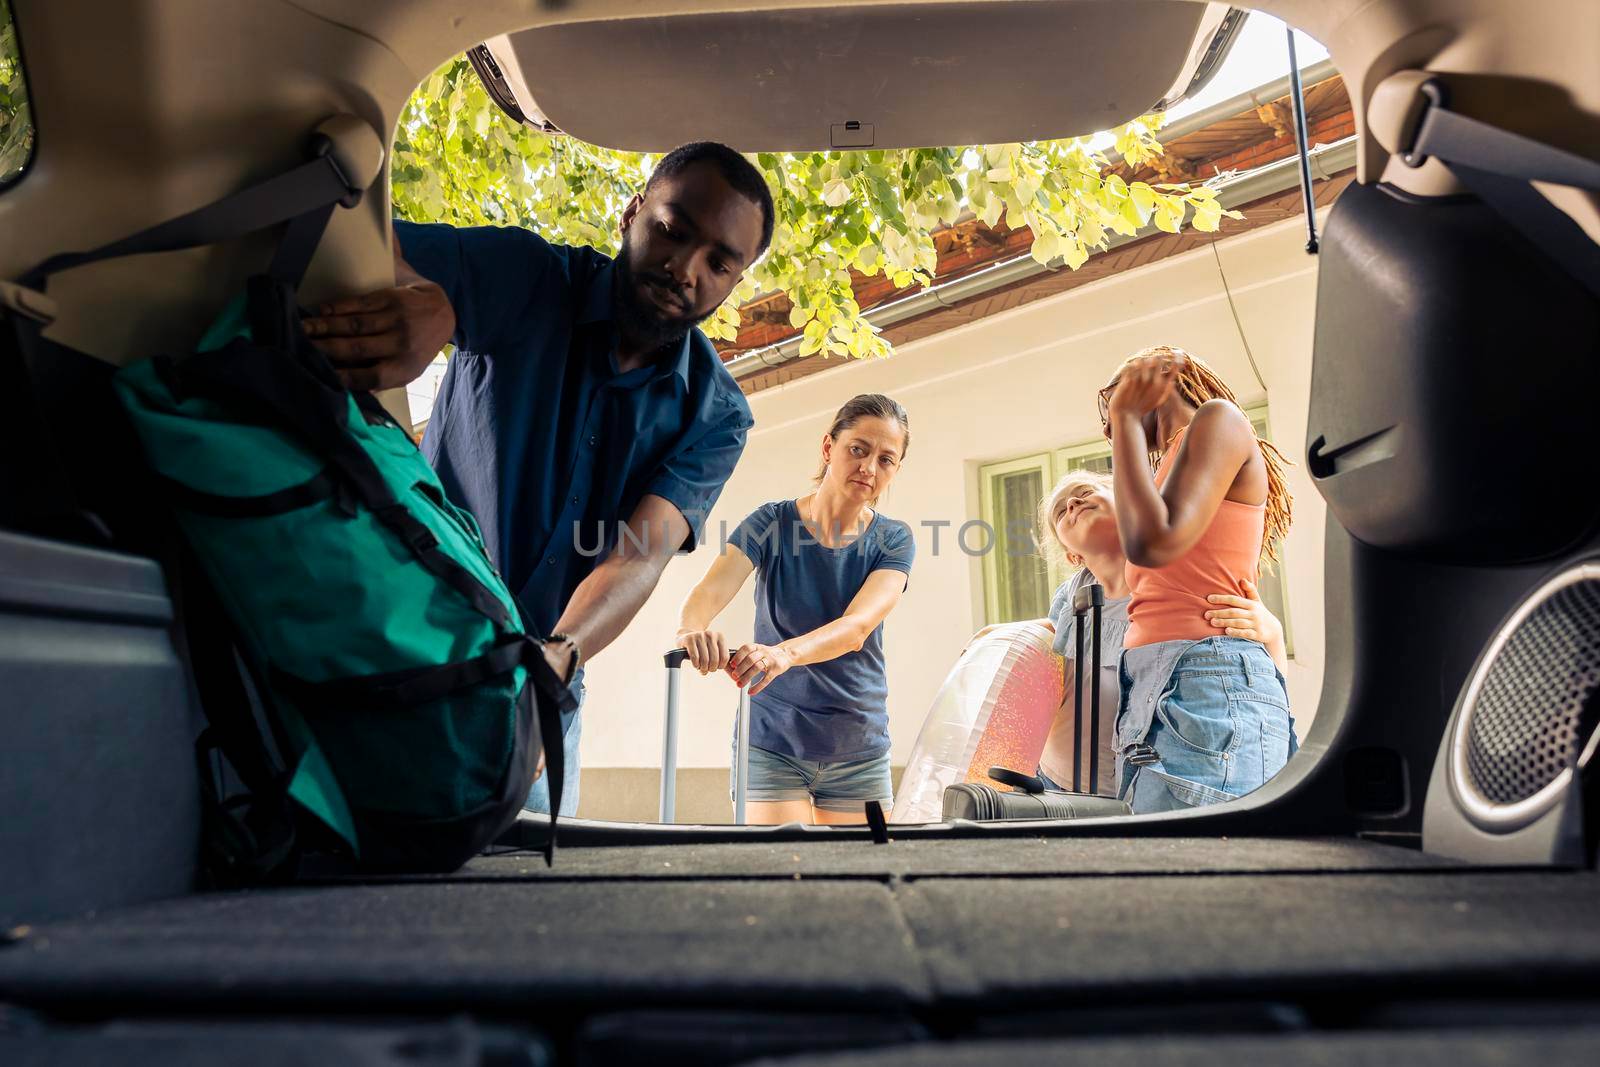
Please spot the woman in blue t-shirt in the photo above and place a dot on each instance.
(829, 569)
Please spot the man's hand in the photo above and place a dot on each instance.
(386, 339)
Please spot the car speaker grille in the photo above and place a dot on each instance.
(1538, 701)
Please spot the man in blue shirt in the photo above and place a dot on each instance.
(583, 420)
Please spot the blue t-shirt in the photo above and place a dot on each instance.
(536, 433)
(830, 711)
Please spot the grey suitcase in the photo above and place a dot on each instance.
(1031, 800)
(669, 744)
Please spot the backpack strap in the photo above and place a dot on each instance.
(1498, 166)
(250, 838)
(405, 689)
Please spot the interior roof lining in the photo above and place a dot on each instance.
(785, 80)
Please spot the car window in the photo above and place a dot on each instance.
(16, 119)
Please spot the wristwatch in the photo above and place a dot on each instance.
(577, 653)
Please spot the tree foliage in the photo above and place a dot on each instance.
(16, 122)
(459, 159)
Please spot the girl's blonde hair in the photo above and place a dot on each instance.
(1198, 383)
(1044, 529)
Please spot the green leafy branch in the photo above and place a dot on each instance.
(16, 121)
(458, 159)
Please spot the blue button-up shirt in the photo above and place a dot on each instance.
(536, 433)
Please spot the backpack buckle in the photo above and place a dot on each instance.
(421, 539)
(417, 537)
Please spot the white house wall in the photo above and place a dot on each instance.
(1003, 386)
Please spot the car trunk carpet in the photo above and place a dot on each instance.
(1007, 857)
(1573, 1045)
(250, 1044)
(931, 929)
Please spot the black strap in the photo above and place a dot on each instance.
(404, 689)
(1498, 165)
(322, 487)
(206, 642)
(240, 843)
(552, 698)
(877, 823)
(246, 839)
(1077, 702)
(298, 245)
(1028, 783)
(425, 547)
(309, 187)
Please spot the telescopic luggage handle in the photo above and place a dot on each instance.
(669, 740)
(1088, 599)
(669, 745)
(741, 781)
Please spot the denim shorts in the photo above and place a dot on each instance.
(1221, 729)
(839, 786)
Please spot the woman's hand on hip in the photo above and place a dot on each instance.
(708, 649)
(769, 661)
(1244, 616)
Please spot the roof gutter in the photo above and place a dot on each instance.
(1243, 188)
(1235, 106)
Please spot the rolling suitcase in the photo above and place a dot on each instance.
(669, 744)
(1031, 800)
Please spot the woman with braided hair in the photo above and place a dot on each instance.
(1199, 499)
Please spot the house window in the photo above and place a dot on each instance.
(16, 121)
(1017, 584)
(1019, 587)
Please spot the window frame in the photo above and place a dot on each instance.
(995, 579)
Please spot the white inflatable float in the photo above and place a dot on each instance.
(994, 709)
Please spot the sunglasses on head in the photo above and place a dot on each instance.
(1103, 398)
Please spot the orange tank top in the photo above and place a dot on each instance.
(1169, 603)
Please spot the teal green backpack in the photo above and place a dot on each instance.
(404, 703)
